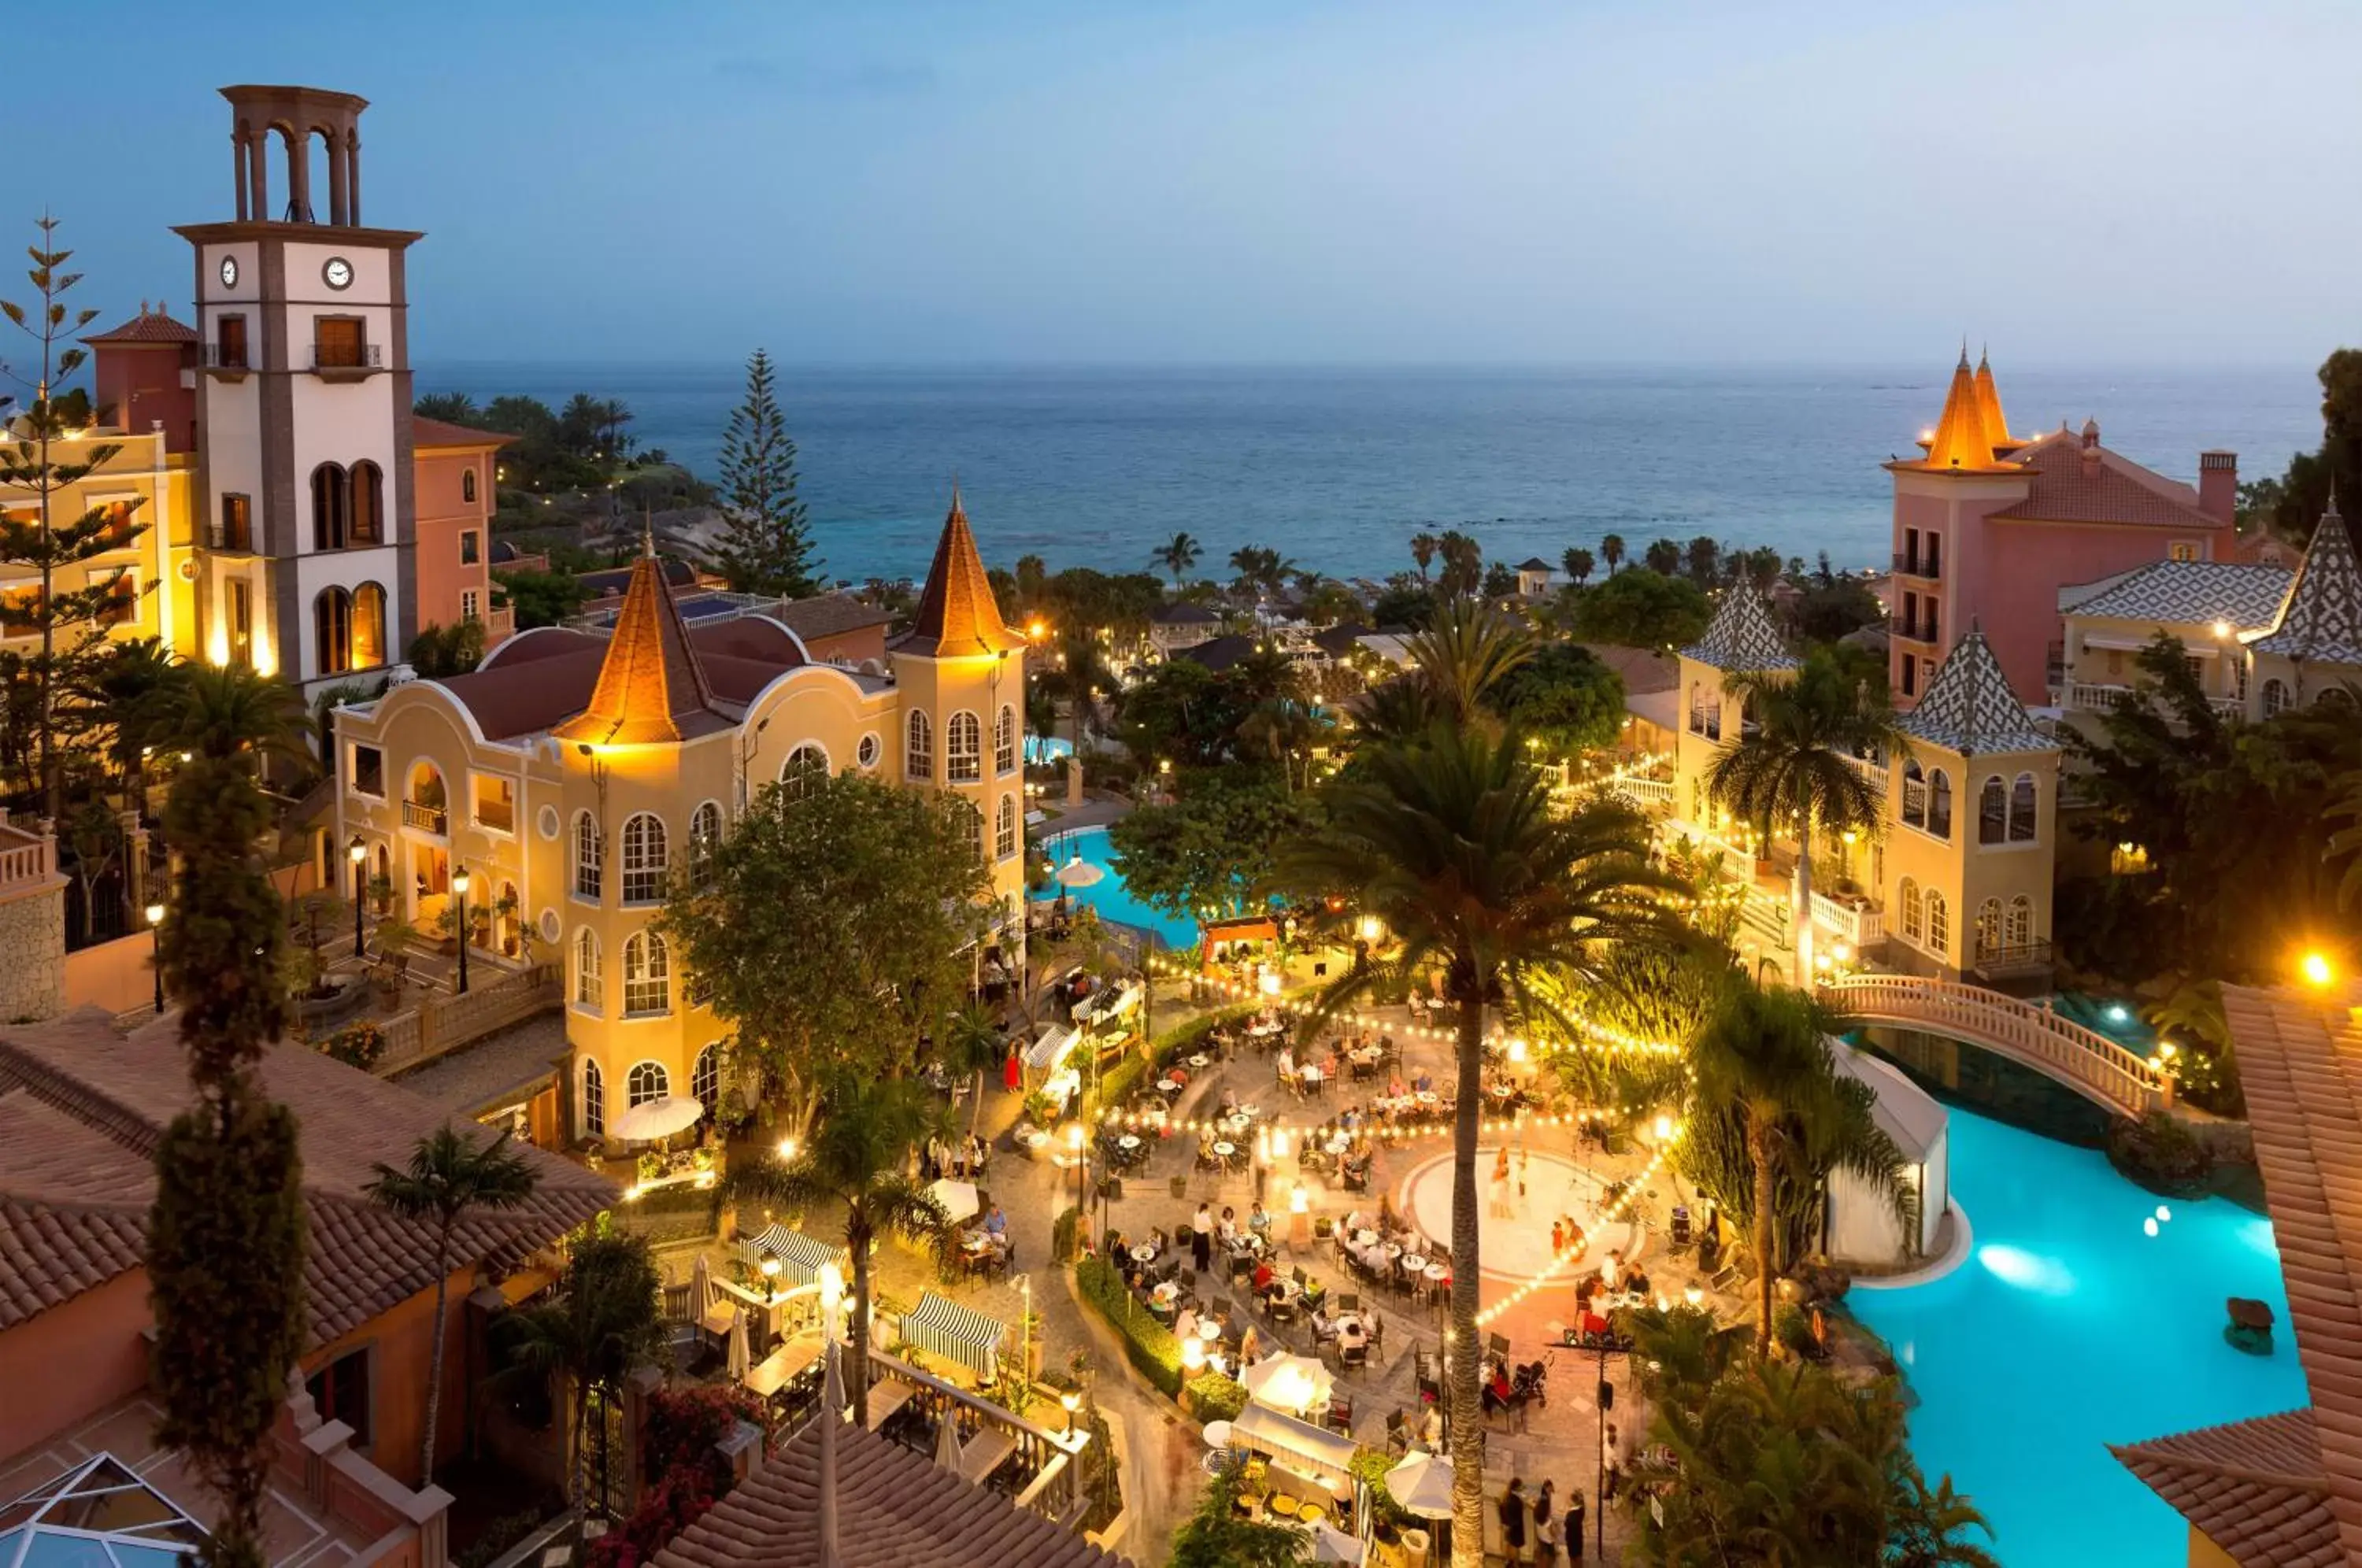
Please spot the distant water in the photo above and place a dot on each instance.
(1338, 469)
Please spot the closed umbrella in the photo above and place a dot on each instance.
(947, 1443)
(1290, 1382)
(741, 1356)
(1420, 1482)
(700, 1290)
(1330, 1544)
(657, 1118)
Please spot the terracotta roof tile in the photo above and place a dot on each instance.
(895, 1508)
(829, 615)
(651, 687)
(511, 697)
(2253, 1487)
(148, 327)
(957, 615)
(2064, 489)
(74, 1200)
(426, 432)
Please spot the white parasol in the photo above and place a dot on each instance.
(1420, 1482)
(1079, 873)
(1330, 1544)
(701, 1290)
(1290, 1383)
(947, 1441)
(741, 1356)
(958, 1199)
(657, 1119)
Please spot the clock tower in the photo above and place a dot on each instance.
(305, 548)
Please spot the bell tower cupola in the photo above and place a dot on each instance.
(283, 121)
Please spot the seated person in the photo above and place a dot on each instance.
(1229, 1103)
(996, 1223)
(1593, 1323)
(1356, 1221)
(1225, 1229)
(1430, 1428)
(1496, 1386)
(1285, 1062)
(1259, 1221)
(1185, 1326)
(1635, 1281)
(1265, 1275)
(1395, 1087)
(1422, 1084)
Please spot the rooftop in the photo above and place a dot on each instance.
(2322, 617)
(155, 325)
(957, 615)
(2186, 594)
(2064, 488)
(1742, 637)
(651, 687)
(1969, 708)
(425, 431)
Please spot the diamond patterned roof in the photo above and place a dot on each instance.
(2194, 594)
(2322, 618)
(1740, 636)
(1970, 708)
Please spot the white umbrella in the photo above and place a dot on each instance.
(656, 1118)
(1079, 873)
(1290, 1383)
(958, 1199)
(741, 1356)
(1330, 1544)
(701, 1290)
(1420, 1482)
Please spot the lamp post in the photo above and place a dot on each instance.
(459, 891)
(357, 853)
(156, 948)
(1082, 1178)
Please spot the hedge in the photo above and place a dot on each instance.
(1147, 1343)
(1214, 1398)
(1063, 1231)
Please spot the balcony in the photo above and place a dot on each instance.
(1930, 567)
(224, 539)
(2093, 697)
(229, 361)
(500, 621)
(425, 818)
(1860, 922)
(2005, 961)
(1872, 771)
(340, 361)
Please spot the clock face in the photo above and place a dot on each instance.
(338, 274)
(229, 272)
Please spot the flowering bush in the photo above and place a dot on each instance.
(687, 1476)
(356, 1046)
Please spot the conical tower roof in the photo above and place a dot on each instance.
(957, 615)
(1969, 707)
(2321, 619)
(1989, 413)
(651, 688)
(1742, 637)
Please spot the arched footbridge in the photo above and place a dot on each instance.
(2084, 1060)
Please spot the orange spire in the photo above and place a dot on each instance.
(1988, 405)
(651, 688)
(957, 615)
(1959, 440)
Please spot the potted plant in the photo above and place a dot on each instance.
(512, 945)
(447, 931)
(380, 893)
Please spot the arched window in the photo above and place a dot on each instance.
(1004, 741)
(1914, 794)
(590, 857)
(1939, 803)
(964, 749)
(974, 822)
(644, 1082)
(647, 974)
(369, 627)
(705, 1078)
(1939, 924)
(1004, 832)
(368, 506)
(1697, 707)
(331, 503)
(918, 749)
(468, 485)
(2018, 931)
(2276, 697)
(1913, 915)
(805, 766)
(643, 858)
(1989, 927)
(2023, 808)
(332, 630)
(1992, 812)
(2335, 697)
(594, 1100)
(704, 838)
(586, 968)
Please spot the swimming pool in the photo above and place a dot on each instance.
(1046, 749)
(1108, 895)
(2070, 1328)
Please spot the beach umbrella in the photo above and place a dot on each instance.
(741, 1356)
(1286, 1382)
(1330, 1544)
(657, 1118)
(1420, 1482)
(1079, 873)
(958, 1199)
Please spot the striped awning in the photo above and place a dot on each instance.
(951, 1331)
(800, 1255)
(1283, 1437)
(1049, 1053)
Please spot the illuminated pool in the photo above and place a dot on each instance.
(1108, 895)
(2072, 1327)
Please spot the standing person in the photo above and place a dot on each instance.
(1500, 1200)
(1201, 1238)
(1573, 1530)
(1615, 1481)
(1513, 1521)
(1546, 1526)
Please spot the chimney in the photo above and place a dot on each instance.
(2090, 448)
(2218, 486)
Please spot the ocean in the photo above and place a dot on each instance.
(1338, 469)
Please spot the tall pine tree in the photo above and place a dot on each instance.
(766, 546)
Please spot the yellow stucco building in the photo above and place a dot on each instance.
(570, 772)
(152, 572)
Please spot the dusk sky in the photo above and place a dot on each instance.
(1240, 181)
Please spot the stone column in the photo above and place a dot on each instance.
(338, 173)
(258, 176)
(353, 177)
(237, 170)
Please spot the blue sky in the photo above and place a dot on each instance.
(1227, 181)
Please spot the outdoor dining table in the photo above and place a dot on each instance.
(1168, 1086)
(1208, 1330)
(1365, 1237)
(1143, 1254)
(1427, 1097)
(1199, 1060)
(1128, 1142)
(1226, 1149)
(1414, 1263)
(885, 1398)
(778, 1369)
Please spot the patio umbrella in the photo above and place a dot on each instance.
(1420, 1482)
(958, 1199)
(1079, 873)
(701, 1290)
(656, 1118)
(741, 1356)
(947, 1443)
(1330, 1544)
(1290, 1383)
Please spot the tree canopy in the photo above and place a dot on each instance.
(2292, 503)
(1565, 695)
(1212, 846)
(765, 546)
(1641, 609)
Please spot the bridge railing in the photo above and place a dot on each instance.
(2032, 1034)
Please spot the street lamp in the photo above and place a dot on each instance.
(459, 889)
(156, 940)
(357, 853)
(2315, 969)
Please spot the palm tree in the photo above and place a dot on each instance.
(607, 1318)
(1450, 842)
(973, 1044)
(1578, 563)
(858, 1156)
(1611, 550)
(1422, 551)
(1467, 650)
(1083, 673)
(452, 408)
(230, 711)
(1795, 768)
(449, 1178)
(1178, 555)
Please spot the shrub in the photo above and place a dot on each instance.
(2161, 1154)
(684, 1424)
(1794, 1329)
(667, 1508)
(1063, 1231)
(356, 1046)
(1147, 1343)
(1214, 1398)
(503, 1533)
(1119, 1083)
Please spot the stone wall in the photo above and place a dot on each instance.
(33, 939)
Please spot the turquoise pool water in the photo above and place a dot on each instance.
(2069, 1328)
(1047, 748)
(1108, 895)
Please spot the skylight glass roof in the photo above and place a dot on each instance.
(98, 1515)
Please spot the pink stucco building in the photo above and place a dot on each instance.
(1989, 526)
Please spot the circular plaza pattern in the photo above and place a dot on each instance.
(1517, 1248)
